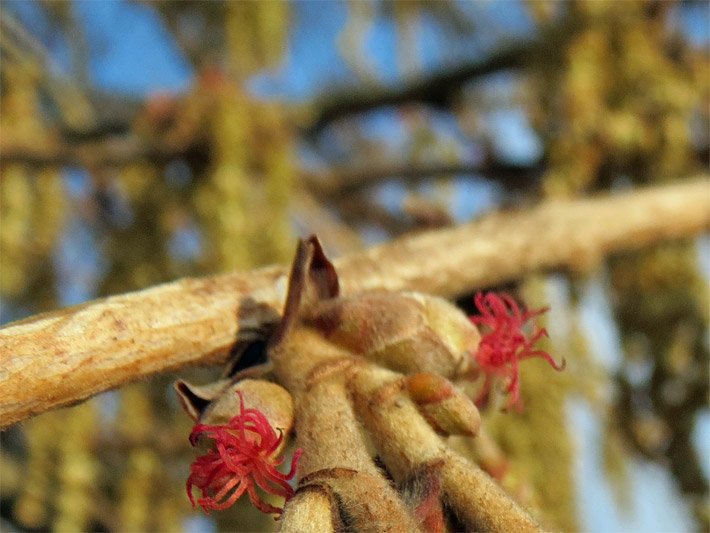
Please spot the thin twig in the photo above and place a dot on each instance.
(66, 356)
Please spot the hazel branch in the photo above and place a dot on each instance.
(330, 352)
(63, 357)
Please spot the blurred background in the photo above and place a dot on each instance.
(145, 141)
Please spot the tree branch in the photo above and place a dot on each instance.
(343, 182)
(119, 150)
(437, 89)
(63, 357)
(337, 182)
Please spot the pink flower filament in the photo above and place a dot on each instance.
(504, 344)
(245, 455)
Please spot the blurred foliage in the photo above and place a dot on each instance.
(215, 178)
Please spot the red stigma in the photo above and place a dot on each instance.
(504, 344)
(244, 456)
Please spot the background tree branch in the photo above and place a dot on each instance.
(343, 182)
(438, 88)
(63, 357)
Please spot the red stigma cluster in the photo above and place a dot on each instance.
(245, 455)
(504, 344)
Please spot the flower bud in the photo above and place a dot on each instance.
(406, 332)
(448, 410)
(217, 403)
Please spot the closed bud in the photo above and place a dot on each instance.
(448, 410)
(217, 403)
(406, 332)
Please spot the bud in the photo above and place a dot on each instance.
(245, 455)
(406, 332)
(448, 410)
(217, 403)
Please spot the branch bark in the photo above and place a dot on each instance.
(66, 356)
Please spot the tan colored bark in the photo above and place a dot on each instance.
(66, 356)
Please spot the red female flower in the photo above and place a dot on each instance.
(244, 457)
(503, 344)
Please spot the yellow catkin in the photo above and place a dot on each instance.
(34, 503)
(278, 161)
(172, 505)
(48, 216)
(169, 512)
(20, 119)
(135, 242)
(77, 470)
(273, 31)
(15, 230)
(31, 202)
(407, 17)
(136, 503)
(135, 424)
(620, 96)
(257, 33)
(225, 199)
(244, 202)
(11, 475)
